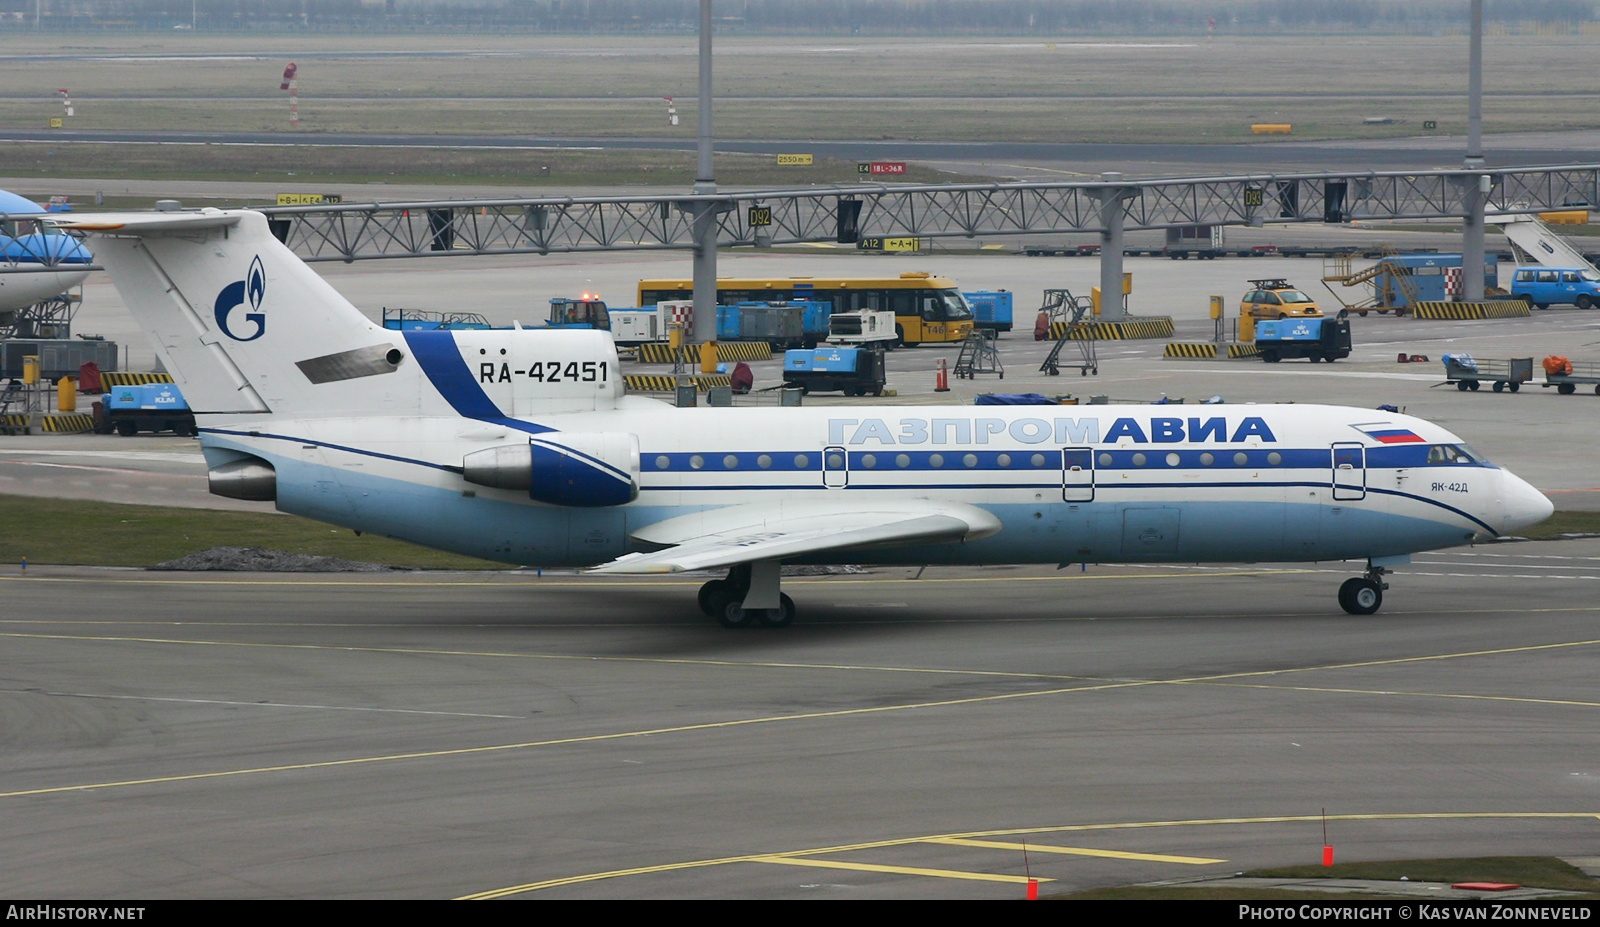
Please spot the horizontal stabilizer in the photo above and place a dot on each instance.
(140, 223)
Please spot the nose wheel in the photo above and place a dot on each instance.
(1363, 595)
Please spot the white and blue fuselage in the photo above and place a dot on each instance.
(1071, 484)
(523, 447)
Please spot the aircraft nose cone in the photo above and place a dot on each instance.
(1524, 505)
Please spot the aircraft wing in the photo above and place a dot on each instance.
(778, 531)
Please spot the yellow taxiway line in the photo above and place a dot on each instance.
(895, 870)
(1075, 851)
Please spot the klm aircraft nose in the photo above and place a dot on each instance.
(1524, 505)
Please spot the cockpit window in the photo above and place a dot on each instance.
(1450, 454)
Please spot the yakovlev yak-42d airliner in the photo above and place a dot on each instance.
(520, 446)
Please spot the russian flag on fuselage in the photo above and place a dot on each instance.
(1390, 434)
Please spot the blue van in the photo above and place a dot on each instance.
(1542, 286)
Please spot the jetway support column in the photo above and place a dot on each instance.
(1111, 213)
(1477, 188)
(705, 215)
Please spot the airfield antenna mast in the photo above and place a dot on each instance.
(705, 215)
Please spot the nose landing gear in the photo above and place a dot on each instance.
(1364, 595)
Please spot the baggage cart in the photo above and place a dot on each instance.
(1584, 373)
(1467, 372)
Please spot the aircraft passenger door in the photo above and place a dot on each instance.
(835, 467)
(1077, 474)
(1349, 472)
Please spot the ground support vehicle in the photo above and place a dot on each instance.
(424, 320)
(1274, 298)
(1540, 287)
(854, 371)
(1398, 282)
(927, 309)
(587, 312)
(863, 326)
(128, 410)
(1579, 374)
(991, 309)
(1325, 340)
(1467, 372)
(780, 323)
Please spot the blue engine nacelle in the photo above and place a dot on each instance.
(581, 470)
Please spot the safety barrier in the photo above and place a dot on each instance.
(1155, 327)
(1500, 309)
(657, 353)
(1208, 349)
(71, 423)
(133, 379)
(667, 383)
(13, 424)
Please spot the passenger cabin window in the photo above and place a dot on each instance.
(1569, 277)
(1549, 276)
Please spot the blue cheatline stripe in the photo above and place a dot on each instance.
(954, 459)
(440, 359)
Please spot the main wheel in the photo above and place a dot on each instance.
(1584, 302)
(1499, 386)
(729, 610)
(1472, 385)
(780, 617)
(1513, 386)
(1567, 389)
(1360, 596)
(1461, 385)
(127, 429)
(709, 590)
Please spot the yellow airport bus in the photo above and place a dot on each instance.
(927, 309)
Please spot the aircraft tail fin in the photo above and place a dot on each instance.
(241, 323)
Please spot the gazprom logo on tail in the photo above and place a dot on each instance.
(253, 288)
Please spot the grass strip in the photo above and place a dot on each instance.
(73, 531)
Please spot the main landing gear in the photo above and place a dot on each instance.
(1363, 595)
(748, 596)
